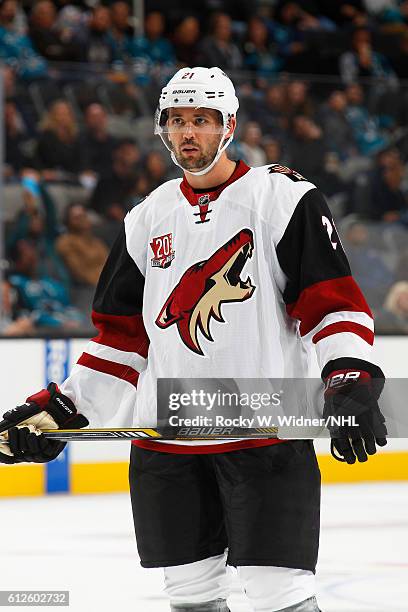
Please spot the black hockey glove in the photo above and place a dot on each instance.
(352, 390)
(48, 409)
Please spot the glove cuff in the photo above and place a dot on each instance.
(352, 363)
(41, 398)
(58, 406)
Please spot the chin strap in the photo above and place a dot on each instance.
(221, 147)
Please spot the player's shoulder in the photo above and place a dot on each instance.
(285, 196)
(140, 220)
(156, 197)
(146, 210)
(284, 178)
(165, 189)
(279, 189)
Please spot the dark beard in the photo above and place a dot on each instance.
(202, 162)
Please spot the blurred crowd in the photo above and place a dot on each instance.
(352, 38)
(80, 150)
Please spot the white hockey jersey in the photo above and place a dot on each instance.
(243, 280)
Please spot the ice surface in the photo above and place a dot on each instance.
(85, 544)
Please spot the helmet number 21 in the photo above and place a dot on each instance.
(329, 228)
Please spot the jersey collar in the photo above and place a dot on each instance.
(197, 196)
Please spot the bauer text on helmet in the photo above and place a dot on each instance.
(193, 89)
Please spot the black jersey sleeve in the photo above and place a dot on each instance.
(320, 291)
(103, 382)
(118, 302)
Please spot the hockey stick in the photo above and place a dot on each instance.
(159, 433)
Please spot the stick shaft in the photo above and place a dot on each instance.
(162, 433)
(159, 433)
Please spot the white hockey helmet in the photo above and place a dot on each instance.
(199, 88)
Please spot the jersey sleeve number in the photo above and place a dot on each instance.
(329, 229)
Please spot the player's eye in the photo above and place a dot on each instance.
(201, 121)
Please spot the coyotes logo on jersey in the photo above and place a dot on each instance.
(204, 287)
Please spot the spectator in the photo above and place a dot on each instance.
(112, 196)
(273, 151)
(8, 11)
(12, 17)
(156, 170)
(37, 222)
(270, 112)
(366, 127)
(72, 24)
(153, 46)
(312, 19)
(400, 62)
(11, 323)
(345, 13)
(389, 198)
(17, 143)
(337, 129)
(308, 149)
(9, 82)
(393, 17)
(127, 101)
(393, 318)
(48, 39)
(99, 47)
(83, 254)
(367, 264)
(16, 49)
(260, 53)
(291, 39)
(97, 143)
(362, 60)
(250, 143)
(186, 41)
(120, 33)
(41, 298)
(309, 156)
(23, 104)
(141, 188)
(298, 102)
(59, 147)
(217, 49)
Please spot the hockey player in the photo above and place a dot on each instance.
(228, 272)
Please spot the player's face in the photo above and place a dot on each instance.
(195, 135)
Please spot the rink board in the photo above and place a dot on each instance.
(112, 477)
(101, 467)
